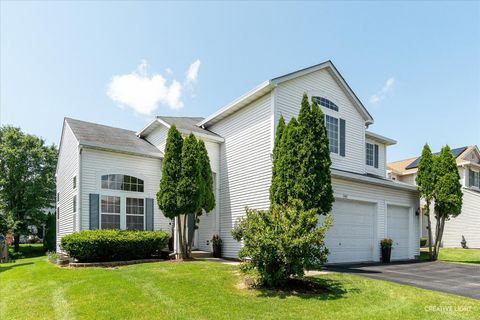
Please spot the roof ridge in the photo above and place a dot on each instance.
(98, 124)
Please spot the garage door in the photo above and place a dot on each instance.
(350, 238)
(397, 230)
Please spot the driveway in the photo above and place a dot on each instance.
(455, 278)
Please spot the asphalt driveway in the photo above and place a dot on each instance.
(455, 278)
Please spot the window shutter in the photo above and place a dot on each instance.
(376, 156)
(149, 214)
(342, 137)
(94, 208)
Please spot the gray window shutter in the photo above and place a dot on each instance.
(149, 214)
(376, 156)
(94, 209)
(342, 137)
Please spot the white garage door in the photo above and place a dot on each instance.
(397, 230)
(350, 238)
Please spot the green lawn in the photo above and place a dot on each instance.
(33, 288)
(456, 255)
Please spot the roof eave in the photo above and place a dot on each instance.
(106, 147)
(380, 138)
(259, 90)
(371, 180)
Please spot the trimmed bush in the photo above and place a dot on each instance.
(114, 245)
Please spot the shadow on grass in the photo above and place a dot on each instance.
(11, 265)
(326, 289)
(27, 251)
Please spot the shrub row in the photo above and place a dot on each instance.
(114, 245)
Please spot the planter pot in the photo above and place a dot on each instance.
(217, 251)
(386, 253)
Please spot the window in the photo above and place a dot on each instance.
(74, 203)
(331, 123)
(75, 182)
(474, 179)
(122, 182)
(110, 217)
(326, 103)
(135, 213)
(370, 155)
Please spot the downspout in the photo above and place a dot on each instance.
(79, 189)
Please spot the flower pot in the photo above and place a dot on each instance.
(386, 253)
(217, 251)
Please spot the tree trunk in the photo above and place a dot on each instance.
(180, 237)
(439, 237)
(16, 242)
(429, 227)
(185, 240)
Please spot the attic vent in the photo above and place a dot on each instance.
(326, 103)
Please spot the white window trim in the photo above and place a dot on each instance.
(338, 133)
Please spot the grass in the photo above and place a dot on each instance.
(38, 289)
(456, 255)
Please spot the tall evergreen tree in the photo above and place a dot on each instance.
(171, 169)
(426, 185)
(448, 193)
(277, 169)
(291, 163)
(189, 187)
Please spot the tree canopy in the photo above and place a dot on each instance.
(27, 180)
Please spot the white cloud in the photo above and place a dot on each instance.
(192, 72)
(379, 96)
(144, 93)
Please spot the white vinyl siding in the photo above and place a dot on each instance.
(288, 96)
(381, 171)
(96, 163)
(67, 170)
(158, 137)
(245, 166)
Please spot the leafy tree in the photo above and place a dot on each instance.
(205, 185)
(189, 186)
(172, 165)
(426, 185)
(27, 180)
(448, 193)
(285, 240)
(49, 240)
(281, 242)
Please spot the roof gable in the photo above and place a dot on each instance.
(110, 138)
(267, 86)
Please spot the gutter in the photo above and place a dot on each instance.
(105, 147)
(371, 180)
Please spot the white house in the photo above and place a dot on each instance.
(467, 224)
(107, 177)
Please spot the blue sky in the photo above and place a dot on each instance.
(415, 65)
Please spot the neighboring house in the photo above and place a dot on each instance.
(467, 224)
(115, 173)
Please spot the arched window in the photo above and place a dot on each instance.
(326, 103)
(122, 182)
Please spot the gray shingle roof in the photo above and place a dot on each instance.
(188, 123)
(106, 137)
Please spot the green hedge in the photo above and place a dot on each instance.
(114, 245)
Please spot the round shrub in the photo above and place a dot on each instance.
(114, 245)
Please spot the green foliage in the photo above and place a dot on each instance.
(49, 240)
(425, 176)
(207, 196)
(188, 199)
(448, 190)
(172, 164)
(27, 180)
(386, 243)
(114, 245)
(301, 161)
(281, 242)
